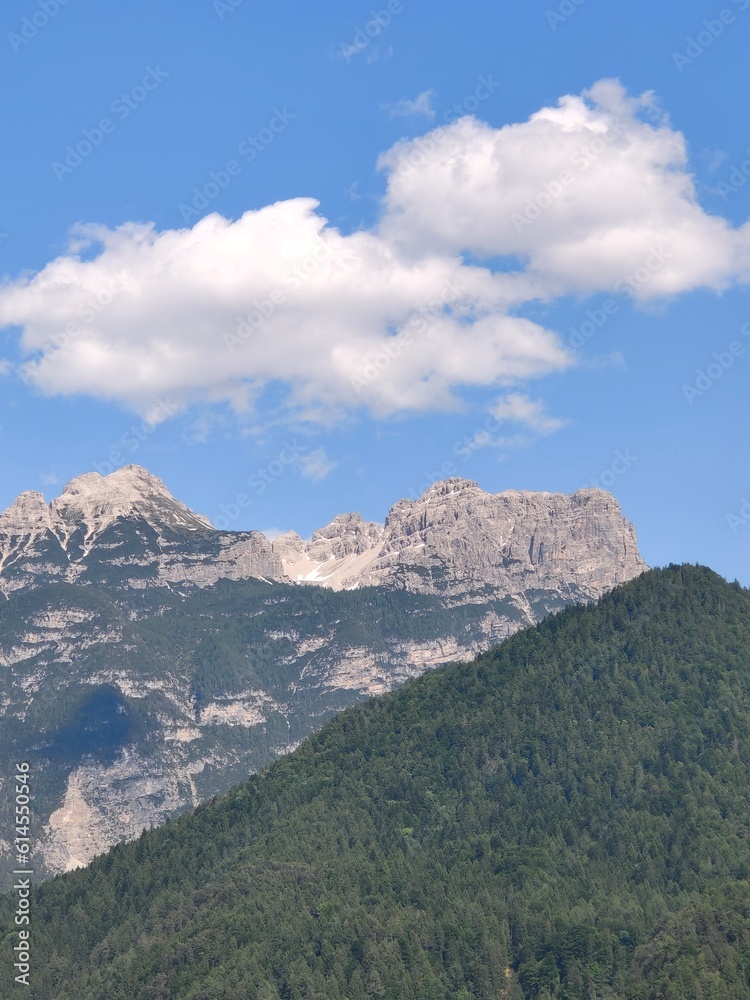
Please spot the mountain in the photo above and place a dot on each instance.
(127, 530)
(565, 817)
(150, 661)
(458, 539)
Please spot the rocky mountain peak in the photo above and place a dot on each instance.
(347, 534)
(97, 501)
(28, 511)
(455, 540)
(126, 519)
(449, 487)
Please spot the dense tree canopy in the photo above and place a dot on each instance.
(566, 817)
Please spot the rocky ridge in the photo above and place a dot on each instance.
(149, 661)
(458, 538)
(454, 539)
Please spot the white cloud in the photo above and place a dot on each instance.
(221, 310)
(584, 193)
(315, 465)
(591, 193)
(421, 105)
(517, 408)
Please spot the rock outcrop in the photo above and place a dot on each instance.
(458, 539)
(125, 528)
(149, 661)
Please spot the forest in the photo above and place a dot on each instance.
(564, 817)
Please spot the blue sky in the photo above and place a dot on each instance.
(415, 270)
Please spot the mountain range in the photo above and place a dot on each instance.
(564, 818)
(151, 661)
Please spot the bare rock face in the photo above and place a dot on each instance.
(124, 529)
(96, 502)
(457, 539)
(346, 535)
(139, 688)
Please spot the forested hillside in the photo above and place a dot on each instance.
(567, 816)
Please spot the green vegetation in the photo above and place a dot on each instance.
(181, 648)
(567, 816)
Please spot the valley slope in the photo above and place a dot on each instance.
(566, 817)
(149, 661)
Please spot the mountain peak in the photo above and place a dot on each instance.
(97, 501)
(454, 539)
(55, 537)
(132, 477)
(445, 487)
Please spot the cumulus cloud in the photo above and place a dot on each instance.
(585, 194)
(589, 195)
(518, 408)
(220, 311)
